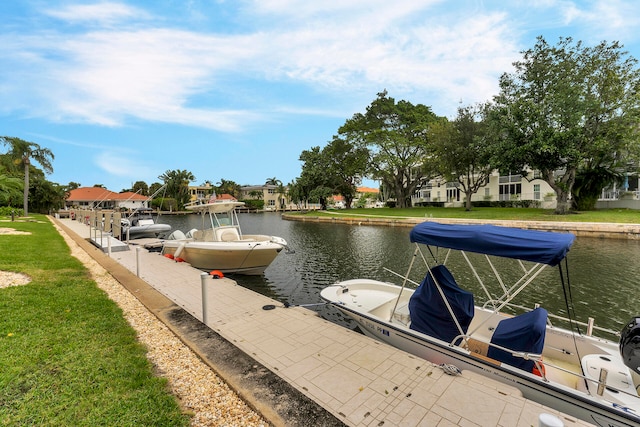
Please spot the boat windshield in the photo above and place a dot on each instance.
(223, 219)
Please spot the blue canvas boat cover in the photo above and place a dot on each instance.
(523, 333)
(428, 312)
(530, 245)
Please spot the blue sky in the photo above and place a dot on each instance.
(122, 91)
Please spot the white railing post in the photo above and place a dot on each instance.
(590, 324)
(138, 249)
(203, 283)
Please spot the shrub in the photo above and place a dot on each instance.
(7, 211)
(253, 204)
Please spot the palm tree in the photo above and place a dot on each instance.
(23, 151)
(280, 190)
(177, 182)
(256, 194)
(282, 194)
(273, 181)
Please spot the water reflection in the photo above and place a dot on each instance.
(603, 272)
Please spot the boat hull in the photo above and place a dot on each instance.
(396, 334)
(147, 231)
(249, 258)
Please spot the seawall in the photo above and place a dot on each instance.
(580, 229)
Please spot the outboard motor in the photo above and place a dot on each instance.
(630, 344)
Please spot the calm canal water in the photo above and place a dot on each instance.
(604, 273)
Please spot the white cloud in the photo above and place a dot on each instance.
(125, 166)
(590, 21)
(104, 13)
(448, 60)
(613, 19)
(111, 76)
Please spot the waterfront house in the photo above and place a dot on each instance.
(100, 198)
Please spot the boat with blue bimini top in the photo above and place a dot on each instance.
(556, 361)
(220, 244)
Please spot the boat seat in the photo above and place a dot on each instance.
(524, 333)
(207, 235)
(429, 313)
(227, 234)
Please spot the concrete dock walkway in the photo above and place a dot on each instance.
(328, 375)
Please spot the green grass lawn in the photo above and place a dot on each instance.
(68, 356)
(626, 216)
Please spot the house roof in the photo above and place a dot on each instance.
(92, 194)
(226, 196)
(367, 190)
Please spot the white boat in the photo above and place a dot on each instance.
(567, 368)
(220, 244)
(140, 224)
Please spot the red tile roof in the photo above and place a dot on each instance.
(226, 196)
(367, 190)
(101, 194)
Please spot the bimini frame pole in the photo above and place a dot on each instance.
(404, 283)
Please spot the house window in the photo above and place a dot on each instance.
(510, 191)
(536, 191)
(424, 194)
(510, 187)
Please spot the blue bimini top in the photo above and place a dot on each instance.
(530, 245)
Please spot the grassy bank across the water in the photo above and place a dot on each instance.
(622, 216)
(69, 358)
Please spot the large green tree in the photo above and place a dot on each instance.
(462, 150)
(314, 185)
(337, 168)
(397, 135)
(10, 190)
(23, 152)
(154, 187)
(46, 195)
(566, 106)
(141, 188)
(347, 164)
